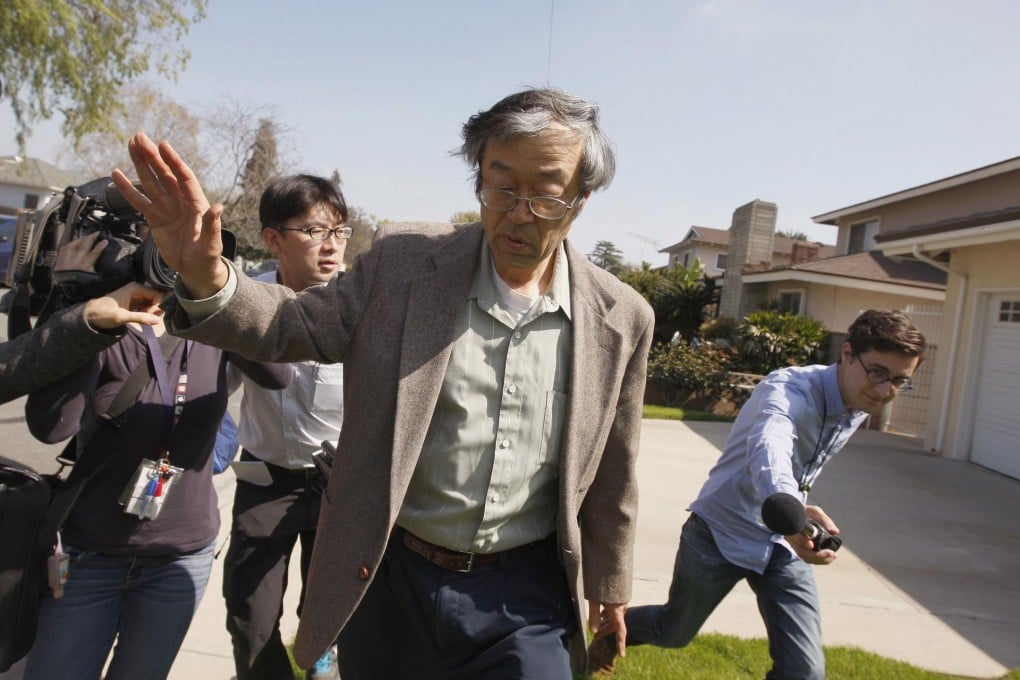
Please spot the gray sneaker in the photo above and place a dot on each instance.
(325, 668)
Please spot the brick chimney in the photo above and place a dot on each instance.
(752, 237)
(803, 252)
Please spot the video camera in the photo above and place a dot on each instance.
(130, 253)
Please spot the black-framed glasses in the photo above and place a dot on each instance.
(321, 232)
(545, 207)
(880, 376)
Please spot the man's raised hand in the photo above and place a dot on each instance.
(185, 226)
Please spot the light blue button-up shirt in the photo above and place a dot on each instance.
(792, 424)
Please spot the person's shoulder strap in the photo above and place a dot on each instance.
(132, 387)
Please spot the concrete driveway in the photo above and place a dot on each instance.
(930, 569)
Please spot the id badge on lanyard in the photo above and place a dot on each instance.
(150, 485)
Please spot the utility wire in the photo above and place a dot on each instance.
(548, 60)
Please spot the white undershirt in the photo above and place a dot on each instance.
(516, 303)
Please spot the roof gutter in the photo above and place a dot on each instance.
(940, 435)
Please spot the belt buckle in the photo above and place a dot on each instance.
(470, 564)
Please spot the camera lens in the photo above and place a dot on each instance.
(154, 270)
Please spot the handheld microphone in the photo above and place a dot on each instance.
(784, 514)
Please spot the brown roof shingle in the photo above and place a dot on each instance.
(874, 266)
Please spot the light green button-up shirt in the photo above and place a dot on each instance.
(487, 478)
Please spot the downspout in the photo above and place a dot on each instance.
(940, 435)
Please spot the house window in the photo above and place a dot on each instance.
(862, 237)
(31, 201)
(687, 259)
(1009, 311)
(720, 260)
(791, 301)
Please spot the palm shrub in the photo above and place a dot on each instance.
(767, 340)
(677, 294)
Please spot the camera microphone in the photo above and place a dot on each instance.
(784, 514)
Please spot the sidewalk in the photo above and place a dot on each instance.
(206, 652)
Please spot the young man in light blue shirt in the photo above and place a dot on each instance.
(794, 422)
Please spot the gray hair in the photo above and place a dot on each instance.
(529, 113)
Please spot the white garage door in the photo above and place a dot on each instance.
(997, 411)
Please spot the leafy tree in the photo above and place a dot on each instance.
(465, 217)
(229, 132)
(795, 235)
(144, 108)
(608, 256)
(678, 295)
(241, 212)
(644, 280)
(73, 56)
(364, 226)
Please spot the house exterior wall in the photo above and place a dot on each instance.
(989, 268)
(13, 195)
(836, 307)
(706, 252)
(987, 195)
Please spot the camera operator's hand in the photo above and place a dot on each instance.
(80, 254)
(804, 546)
(185, 227)
(133, 303)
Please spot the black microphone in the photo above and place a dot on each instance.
(784, 514)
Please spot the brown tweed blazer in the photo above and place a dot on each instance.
(390, 321)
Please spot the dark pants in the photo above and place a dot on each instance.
(507, 620)
(267, 522)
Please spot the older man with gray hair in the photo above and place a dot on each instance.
(484, 483)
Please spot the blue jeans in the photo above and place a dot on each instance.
(786, 593)
(144, 603)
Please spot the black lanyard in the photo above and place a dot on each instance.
(821, 453)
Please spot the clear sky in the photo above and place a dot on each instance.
(813, 105)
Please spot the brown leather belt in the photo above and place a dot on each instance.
(451, 560)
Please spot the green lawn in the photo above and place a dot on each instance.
(653, 411)
(724, 657)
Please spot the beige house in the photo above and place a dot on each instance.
(833, 290)
(711, 246)
(831, 286)
(967, 226)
